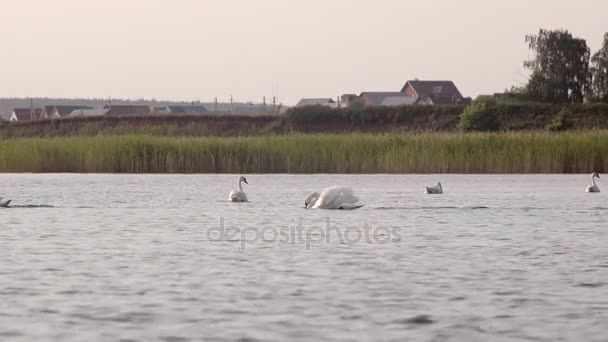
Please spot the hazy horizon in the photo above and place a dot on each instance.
(199, 49)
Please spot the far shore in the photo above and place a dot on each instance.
(529, 138)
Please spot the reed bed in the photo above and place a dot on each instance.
(524, 152)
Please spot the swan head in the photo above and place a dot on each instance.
(311, 200)
(243, 179)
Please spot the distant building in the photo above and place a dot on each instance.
(161, 110)
(128, 110)
(431, 101)
(433, 92)
(385, 98)
(58, 112)
(397, 101)
(187, 109)
(28, 114)
(328, 102)
(87, 112)
(347, 99)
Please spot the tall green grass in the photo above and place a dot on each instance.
(529, 152)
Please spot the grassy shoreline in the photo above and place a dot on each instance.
(523, 152)
(310, 120)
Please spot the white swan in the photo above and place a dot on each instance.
(239, 196)
(593, 187)
(4, 202)
(434, 190)
(335, 197)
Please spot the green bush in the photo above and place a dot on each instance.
(357, 115)
(481, 115)
(561, 122)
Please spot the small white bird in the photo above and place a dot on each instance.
(4, 203)
(239, 196)
(335, 198)
(593, 187)
(434, 190)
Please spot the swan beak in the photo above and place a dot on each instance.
(246, 182)
(305, 205)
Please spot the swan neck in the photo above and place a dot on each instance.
(593, 180)
(241, 185)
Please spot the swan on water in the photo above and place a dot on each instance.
(239, 196)
(4, 202)
(334, 198)
(434, 190)
(593, 187)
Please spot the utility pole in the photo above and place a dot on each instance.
(231, 105)
(31, 109)
(339, 103)
(274, 104)
(216, 106)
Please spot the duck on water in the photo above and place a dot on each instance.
(239, 196)
(4, 202)
(333, 198)
(593, 188)
(434, 190)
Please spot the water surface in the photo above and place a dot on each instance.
(167, 258)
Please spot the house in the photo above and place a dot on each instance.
(187, 109)
(328, 102)
(396, 101)
(28, 114)
(431, 101)
(433, 92)
(58, 112)
(161, 110)
(386, 98)
(347, 99)
(83, 112)
(128, 110)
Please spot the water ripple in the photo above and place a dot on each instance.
(497, 258)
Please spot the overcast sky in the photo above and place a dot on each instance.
(199, 49)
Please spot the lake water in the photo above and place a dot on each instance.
(167, 258)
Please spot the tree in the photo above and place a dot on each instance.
(599, 71)
(560, 67)
(481, 115)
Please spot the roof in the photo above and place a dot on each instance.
(436, 89)
(188, 109)
(375, 98)
(117, 110)
(315, 102)
(65, 110)
(87, 112)
(25, 114)
(445, 100)
(395, 101)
